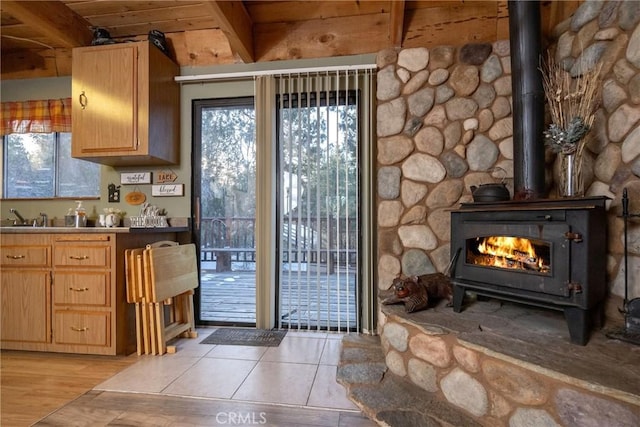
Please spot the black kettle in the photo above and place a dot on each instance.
(490, 193)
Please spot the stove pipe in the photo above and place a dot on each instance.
(528, 99)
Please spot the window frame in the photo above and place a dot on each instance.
(56, 173)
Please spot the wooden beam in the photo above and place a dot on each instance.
(53, 20)
(396, 22)
(236, 24)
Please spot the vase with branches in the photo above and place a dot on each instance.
(572, 103)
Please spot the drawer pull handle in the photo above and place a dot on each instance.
(73, 328)
(16, 256)
(79, 258)
(78, 289)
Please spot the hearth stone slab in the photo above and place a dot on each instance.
(518, 351)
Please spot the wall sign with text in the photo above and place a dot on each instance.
(135, 178)
(166, 190)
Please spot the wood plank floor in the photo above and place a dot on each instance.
(34, 384)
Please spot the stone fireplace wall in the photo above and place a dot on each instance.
(444, 123)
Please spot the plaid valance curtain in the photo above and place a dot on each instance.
(39, 116)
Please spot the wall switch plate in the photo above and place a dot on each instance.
(114, 193)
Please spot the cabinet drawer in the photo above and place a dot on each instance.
(81, 288)
(27, 256)
(86, 328)
(82, 256)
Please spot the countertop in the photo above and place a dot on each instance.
(91, 230)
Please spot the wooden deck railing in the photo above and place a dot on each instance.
(304, 240)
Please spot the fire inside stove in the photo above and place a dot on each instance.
(510, 252)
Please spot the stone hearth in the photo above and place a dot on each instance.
(495, 364)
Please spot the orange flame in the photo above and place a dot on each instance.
(508, 252)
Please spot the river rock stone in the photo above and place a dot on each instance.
(416, 263)
(514, 382)
(491, 70)
(438, 76)
(416, 82)
(502, 85)
(421, 101)
(389, 212)
(607, 162)
(424, 168)
(526, 417)
(436, 117)
(430, 349)
(484, 95)
(443, 94)
(501, 129)
(586, 12)
(415, 215)
(388, 86)
(441, 57)
(501, 107)
(395, 363)
(422, 374)
(589, 58)
(506, 148)
(608, 14)
(394, 149)
(391, 117)
(460, 108)
(444, 194)
(634, 89)
(397, 335)
(485, 120)
(389, 182)
(633, 48)
(414, 59)
(629, 14)
(452, 134)
(455, 165)
(429, 140)
(612, 95)
(464, 80)
(475, 53)
(388, 269)
(412, 192)
(417, 236)
(464, 391)
(482, 153)
(621, 121)
(467, 358)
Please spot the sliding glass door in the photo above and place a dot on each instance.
(225, 190)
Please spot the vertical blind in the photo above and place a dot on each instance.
(320, 132)
(37, 116)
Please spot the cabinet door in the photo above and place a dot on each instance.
(25, 306)
(105, 92)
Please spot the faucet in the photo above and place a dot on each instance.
(17, 214)
(45, 219)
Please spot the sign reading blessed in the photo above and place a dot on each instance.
(135, 178)
(167, 190)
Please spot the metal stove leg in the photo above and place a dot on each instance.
(578, 321)
(458, 297)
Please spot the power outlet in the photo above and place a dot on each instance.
(114, 193)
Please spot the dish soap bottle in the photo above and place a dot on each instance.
(81, 215)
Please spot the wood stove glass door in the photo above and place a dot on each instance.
(533, 257)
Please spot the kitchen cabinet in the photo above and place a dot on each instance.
(26, 290)
(66, 291)
(126, 105)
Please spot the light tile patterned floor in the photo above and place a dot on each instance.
(300, 372)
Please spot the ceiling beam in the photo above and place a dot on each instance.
(236, 24)
(53, 20)
(396, 22)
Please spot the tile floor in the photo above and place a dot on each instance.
(300, 372)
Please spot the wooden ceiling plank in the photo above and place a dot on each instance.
(321, 38)
(53, 20)
(396, 22)
(264, 12)
(234, 20)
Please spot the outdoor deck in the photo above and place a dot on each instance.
(229, 297)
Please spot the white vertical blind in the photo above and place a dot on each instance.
(318, 180)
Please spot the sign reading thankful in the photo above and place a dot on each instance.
(135, 178)
(167, 190)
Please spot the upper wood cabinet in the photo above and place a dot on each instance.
(126, 105)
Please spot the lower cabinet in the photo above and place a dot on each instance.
(25, 306)
(66, 292)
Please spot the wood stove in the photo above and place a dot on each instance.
(547, 253)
